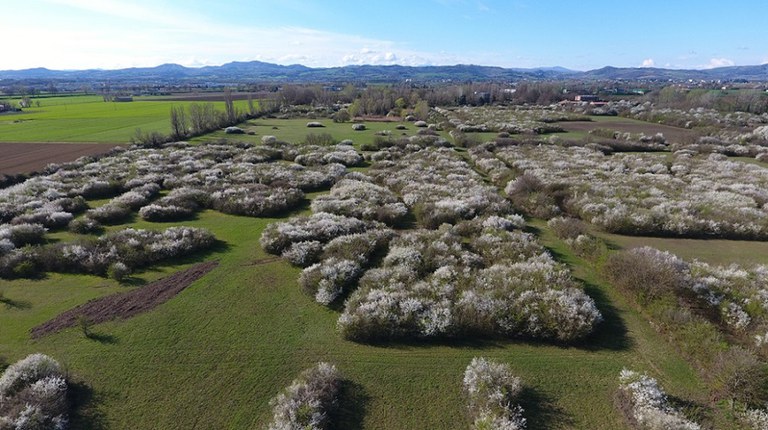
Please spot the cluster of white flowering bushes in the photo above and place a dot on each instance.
(647, 194)
(308, 401)
(492, 393)
(734, 298)
(645, 405)
(127, 249)
(510, 119)
(334, 249)
(436, 283)
(470, 272)
(238, 179)
(357, 196)
(439, 186)
(313, 155)
(33, 395)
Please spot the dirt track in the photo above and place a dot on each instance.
(128, 304)
(28, 157)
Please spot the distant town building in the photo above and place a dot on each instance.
(587, 98)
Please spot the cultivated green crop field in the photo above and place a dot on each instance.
(89, 119)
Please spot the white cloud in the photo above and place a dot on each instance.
(719, 62)
(648, 62)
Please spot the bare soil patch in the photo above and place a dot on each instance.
(28, 157)
(673, 134)
(128, 304)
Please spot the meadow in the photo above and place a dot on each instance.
(234, 339)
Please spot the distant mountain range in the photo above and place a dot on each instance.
(238, 72)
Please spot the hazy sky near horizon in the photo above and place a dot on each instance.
(581, 35)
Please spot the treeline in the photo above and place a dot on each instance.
(398, 99)
(200, 118)
(741, 100)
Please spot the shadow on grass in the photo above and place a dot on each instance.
(132, 281)
(353, 400)
(103, 338)
(611, 334)
(541, 411)
(84, 413)
(15, 304)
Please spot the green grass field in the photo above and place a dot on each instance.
(213, 356)
(89, 119)
(296, 131)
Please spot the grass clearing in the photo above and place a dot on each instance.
(713, 251)
(296, 130)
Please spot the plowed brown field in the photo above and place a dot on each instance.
(26, 157)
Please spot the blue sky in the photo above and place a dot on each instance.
(578, 34)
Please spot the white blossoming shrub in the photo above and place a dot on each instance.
(439, 186)
(303, 253)
(635, 193)
(492, 393)
(308, 401)
(645, 404)
(22, 234)
(167, 212)
(33, 395)
(313, 155)
(256, 200)
(110, 213)
(130, 247)
(756, 419)
(327, 280)
(321, 227)
(362, 199)
(343, 261)
(433, 284)
(732, 297)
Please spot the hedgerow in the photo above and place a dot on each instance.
(131, 247)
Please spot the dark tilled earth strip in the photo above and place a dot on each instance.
(128, 304)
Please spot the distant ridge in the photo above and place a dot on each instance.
(250, 71)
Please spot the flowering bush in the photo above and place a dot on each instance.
(307, 402)
(22, 234)
(645, 404)
(320, 226)
(439, 186)
(643, 194)
(110, 213)
(167, 212)
(433, 284)
(343, 261)
(256, 200)
(130, 247)
(362, 199)
(492, 393)
(33, 395)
